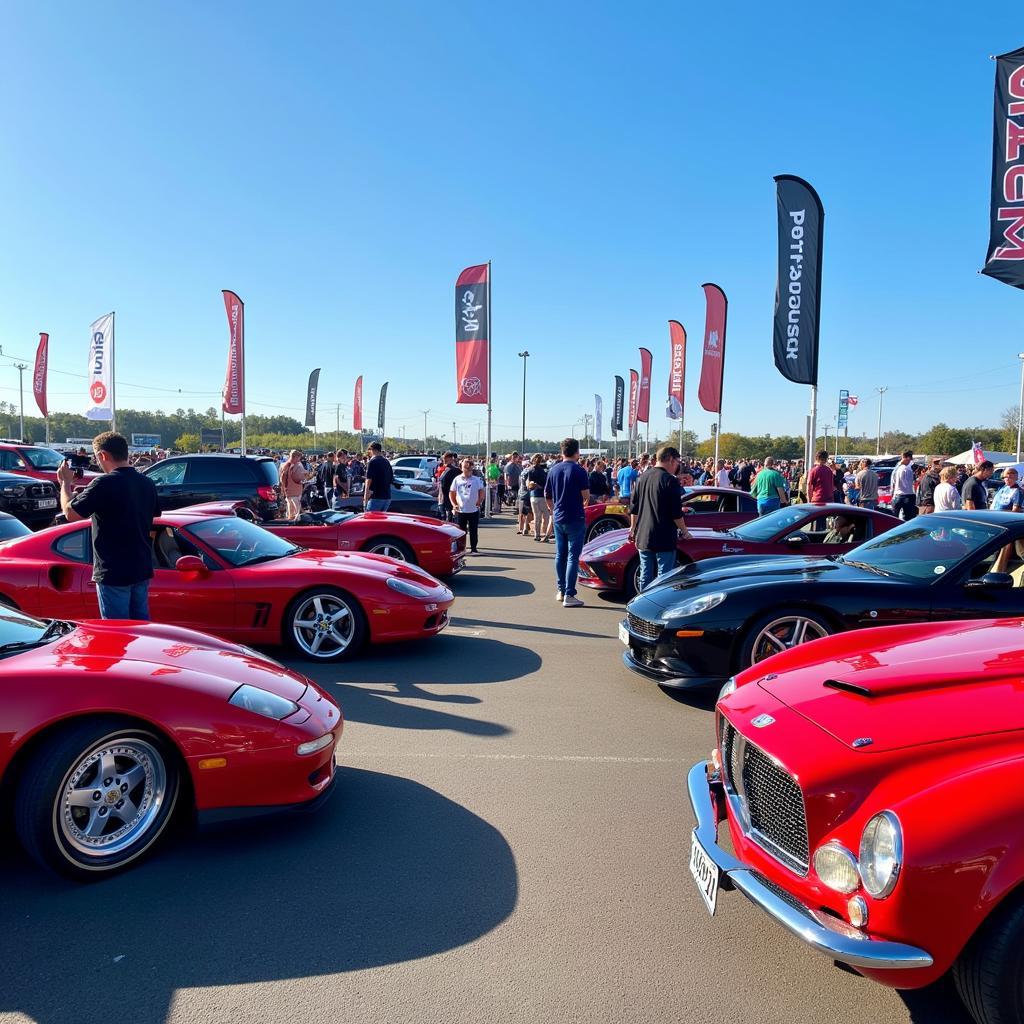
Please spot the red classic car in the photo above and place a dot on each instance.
(110, 730)
(611, 562)
(870, 786)
(437, 547)
(227, 576)
(719, 508)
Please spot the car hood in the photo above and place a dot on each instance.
(409, 519)
(351, 561)
(903, 686)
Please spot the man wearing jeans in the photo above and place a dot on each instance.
(567, 490)
(656, 516)
(379, 479)
(122, 504)
(904, 500)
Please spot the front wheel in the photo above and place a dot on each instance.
(779, 631)
(603, 525)
(325, 625)
(95, 797)
(989, 973)
(392, 547)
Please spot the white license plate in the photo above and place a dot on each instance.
(705, 873)
(46, 503)
(623, 634)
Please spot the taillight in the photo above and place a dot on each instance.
(267, 493)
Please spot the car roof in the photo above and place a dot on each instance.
(218, 455)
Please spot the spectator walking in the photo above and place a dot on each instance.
(867, 485)
(567, 491)
(904, 502)
(325, 480)
(946, 496)
(926, 487)
(821, 481)
(293, 475)
(723, 478)
(769, 488)
(536, 477)
(340, 477)
(379, 479)
(656, 516)
(599, 489)
(626, 478)
(467, 498)
(975, 493)
(513, 472)
(122, 504)
(444, 485)
(493, 478)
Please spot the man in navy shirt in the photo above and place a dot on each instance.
(567, 491)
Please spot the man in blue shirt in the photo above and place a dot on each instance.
(626, 478)
(567, 490)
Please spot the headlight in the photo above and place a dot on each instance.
(18, 492)
(695, 607)
(312, 746)
(455, 546)
(607, 549)
(407, 588)
(263, 702)
(837, 867)
(881, 854)
(730, 687)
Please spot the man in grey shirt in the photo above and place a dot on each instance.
(903, 498)
(867, 485)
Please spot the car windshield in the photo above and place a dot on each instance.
(18, 631)
(768, 526)
(239, 542)
(332, 518)
(41, 458)
(924, 549)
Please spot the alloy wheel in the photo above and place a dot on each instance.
(389, 549)
(323, 625)
(784, 633)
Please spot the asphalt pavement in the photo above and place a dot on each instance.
(508, 841)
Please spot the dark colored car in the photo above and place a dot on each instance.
(403, 499)
(11, 527)
(35, 502)
(701, 624)
(196, 479)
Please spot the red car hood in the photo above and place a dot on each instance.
(401, 517)
(160, 655)
(350, 561)
(902, 686)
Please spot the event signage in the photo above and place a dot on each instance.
(101, 369)
(598, 416)
(634, 388)
(643, 401)
(1005, 259)
(233, 399)
(472, 327)
(357, 405)
(146, 440)
(211, 436)
(676, 370)
(39, 373)
(618, 405)
(381, 403)
(712, 367)
(798, 289)
(842, 419)
(311, 387)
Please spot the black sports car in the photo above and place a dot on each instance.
(702, 623)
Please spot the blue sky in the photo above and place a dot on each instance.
(339, 164)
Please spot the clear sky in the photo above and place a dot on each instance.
(338, 164)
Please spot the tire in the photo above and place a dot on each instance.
(990, 971)
(631, 579)
(392, 547)
(325, 605)
(802, 626)
(55, 813)
(603, 525)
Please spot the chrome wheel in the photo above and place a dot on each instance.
(111, 798)
(603, 526)
(783, 633)
(323, 625)
(389, 548)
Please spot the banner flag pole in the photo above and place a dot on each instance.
(113, 378)
(490, 386)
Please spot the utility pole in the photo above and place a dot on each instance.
(882, 391)
(21, 367)
(337, 425)
(455, 440)
(524, 355)
(425, 411)
(1020, 408)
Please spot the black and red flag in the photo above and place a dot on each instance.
(643, 399)
(472, 327)
(712, 367)
(40, 372)
(1005, 259)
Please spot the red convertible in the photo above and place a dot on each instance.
(112, 729)
(437, 547)
(870, 787)
(611, 562)
(226, 576)
(719, 508)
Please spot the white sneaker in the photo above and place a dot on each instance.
(559, 596)
(572, 602)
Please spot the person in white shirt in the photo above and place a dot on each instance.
(467, 496)
(722, 476)
(947, 497)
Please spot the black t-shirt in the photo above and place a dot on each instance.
(976, 491)
(656, 501)
(445, 484)
(325, 475)
(598, 484)
(379, 477)
(122, 505)
(539, 476)
(743, 477)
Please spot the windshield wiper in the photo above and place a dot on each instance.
(265, 558)
(866, 567)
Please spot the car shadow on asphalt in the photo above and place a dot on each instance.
(531, 628)
(368, 880)
(937, 1003)
(702, 700)
(468, 585)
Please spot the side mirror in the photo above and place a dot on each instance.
(191, 563)
(796, 540)
(995, 581)
(688, 510)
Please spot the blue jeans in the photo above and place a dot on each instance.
(868, 503)
(654, 564)
(568, 547)
(906, 504)
(378, 505)
(130, 602)
(766, 505)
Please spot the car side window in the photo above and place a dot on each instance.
(11, 460)
(219, 471)
(703, 503)
(76, 546)
(729, 503)
(170, 472)
(169, 545)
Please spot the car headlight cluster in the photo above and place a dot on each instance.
(16, 492)
(698, 605)
(607, 549)
(730, 687)
(407, 588)
(263, 702)
(837, 867)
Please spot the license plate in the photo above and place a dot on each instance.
(705, 873)
(623, 633)
(46, 503)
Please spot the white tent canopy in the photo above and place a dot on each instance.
(967, 458)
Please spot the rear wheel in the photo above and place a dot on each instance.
(392, 547)
(603, 525)
(989, 974)
(779, 631)
(325, 625)
(95, 797)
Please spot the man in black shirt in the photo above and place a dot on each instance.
(656, 516)
(444, 486)
(379, 478)
(975, 493)
(122, 504)
(599, 489)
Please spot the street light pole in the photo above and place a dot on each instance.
(524, 355)
(878, 439)
(1020, 408)
(22, 367)
(425, 446)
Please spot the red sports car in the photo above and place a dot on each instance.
(110, 729)
(611, 562)
(437, 547)
(226, 576)
(37, 462)
(870, 786)
(718, 508)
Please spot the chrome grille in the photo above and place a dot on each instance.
(45, 490)
(770, 799)
(641, 627)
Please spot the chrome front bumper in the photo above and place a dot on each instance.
(823, 932)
